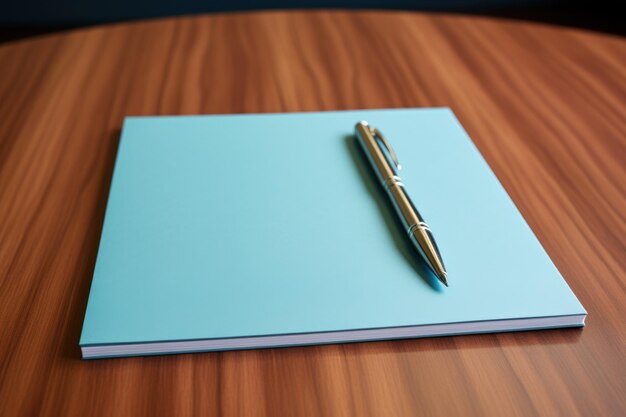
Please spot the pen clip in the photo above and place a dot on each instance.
(376, 133)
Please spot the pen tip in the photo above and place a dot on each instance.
(443, 277)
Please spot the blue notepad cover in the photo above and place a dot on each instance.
(247, 225)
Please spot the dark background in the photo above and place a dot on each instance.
(23, 18)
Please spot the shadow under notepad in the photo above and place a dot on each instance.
(106, 147)
(387, 211)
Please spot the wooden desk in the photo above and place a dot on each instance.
(545, 106)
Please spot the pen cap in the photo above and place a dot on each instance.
(381, 158)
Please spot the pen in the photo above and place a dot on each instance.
(386, 170)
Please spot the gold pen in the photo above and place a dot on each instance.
(387, 172)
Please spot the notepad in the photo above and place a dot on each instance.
(266, 230)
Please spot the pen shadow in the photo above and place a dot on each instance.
(387, 212)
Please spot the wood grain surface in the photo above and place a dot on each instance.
(545, 106)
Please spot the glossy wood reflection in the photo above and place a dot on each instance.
(545, 106)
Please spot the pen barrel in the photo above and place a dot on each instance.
(385, 170)
(386, 173)
(412, 222)
(407, 212)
